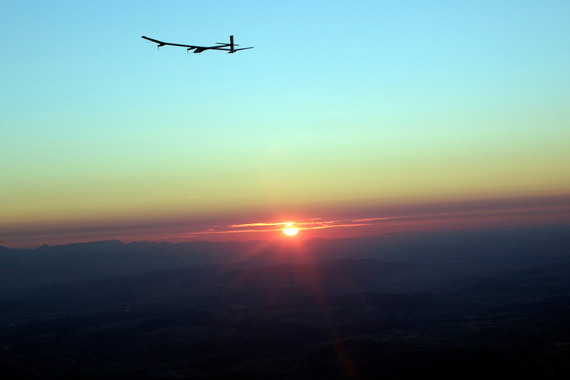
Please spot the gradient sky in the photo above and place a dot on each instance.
(343, 111)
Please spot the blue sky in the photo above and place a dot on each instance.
(368, 102)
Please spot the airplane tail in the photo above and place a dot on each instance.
(232, 49)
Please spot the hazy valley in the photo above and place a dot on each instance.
(455, 304)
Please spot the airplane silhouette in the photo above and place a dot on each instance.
(230, 48)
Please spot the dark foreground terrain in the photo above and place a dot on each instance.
(437, 305)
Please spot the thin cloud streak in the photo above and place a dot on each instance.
(265, 226)
(417, 219)
(322, 222)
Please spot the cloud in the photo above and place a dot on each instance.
(452, 214)
(318, 222)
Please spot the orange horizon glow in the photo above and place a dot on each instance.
(317, 223)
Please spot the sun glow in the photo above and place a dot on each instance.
(290, 230)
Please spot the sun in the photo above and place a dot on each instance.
(290, 230)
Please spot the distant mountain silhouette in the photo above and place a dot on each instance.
(475, 251)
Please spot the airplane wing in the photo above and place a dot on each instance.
(190, 47)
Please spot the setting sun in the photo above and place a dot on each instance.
(290, 230)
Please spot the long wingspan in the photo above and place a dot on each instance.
(199, 49)
(202, 48)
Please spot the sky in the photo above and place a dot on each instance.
(346, 119)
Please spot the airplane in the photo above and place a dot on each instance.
(230, 48)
